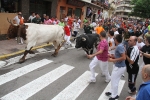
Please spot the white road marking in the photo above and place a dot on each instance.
(35, 86)
(22, 71)
(74, 89)
(41, 50)
(2, 63)
(16, 59)
(104, 97)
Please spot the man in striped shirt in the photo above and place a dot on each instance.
(132, 57)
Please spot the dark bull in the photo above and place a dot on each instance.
(87, 42)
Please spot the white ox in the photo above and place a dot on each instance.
(39, 33)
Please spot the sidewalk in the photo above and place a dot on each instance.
(10, 48)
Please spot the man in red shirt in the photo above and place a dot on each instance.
(67, 35)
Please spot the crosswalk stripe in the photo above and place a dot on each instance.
(22, 71)
(75, 89)
(16, 59)
(120, 87)
(41, 50)
(35, 86)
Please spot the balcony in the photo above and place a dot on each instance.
(126, 16)
(127, 5)
(123, 10)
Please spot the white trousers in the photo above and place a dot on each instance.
(67, 39)
(115, 78)
(103, 66)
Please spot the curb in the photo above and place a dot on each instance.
(21, 51)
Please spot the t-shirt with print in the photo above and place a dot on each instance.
(103, 45)
(133, 54)
(119, 50)
(111, 43)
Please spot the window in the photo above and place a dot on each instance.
(78, 12)
(40, 6)
(88, 12)
(69, 13)
(9, 6)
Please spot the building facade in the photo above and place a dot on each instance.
(93, 8)
(123, 8)
(53, 8)
(73, 8)
(9, 8)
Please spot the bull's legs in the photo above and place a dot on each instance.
(25, 54)
(58, 48)
(91, 51)
(87, 52)
(56, 51)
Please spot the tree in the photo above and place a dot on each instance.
(141, 8)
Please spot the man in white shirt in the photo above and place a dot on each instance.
(16, 19)
(76, 27)
(79, 20)
(66, 18)
(115, 31)
(140, 42)
(111, 43)
(31, 17)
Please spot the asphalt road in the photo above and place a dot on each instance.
(65, 77)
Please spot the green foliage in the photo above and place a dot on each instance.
(141, 8)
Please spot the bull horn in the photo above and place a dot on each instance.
(11, 22)
(83, 39)
(8, 20)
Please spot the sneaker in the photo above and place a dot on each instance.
(132, 93)
(107, 81)
(108, 94)
(114, 98)
(20, 43)
(92, 81)
(134, 96)
(123, 75)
